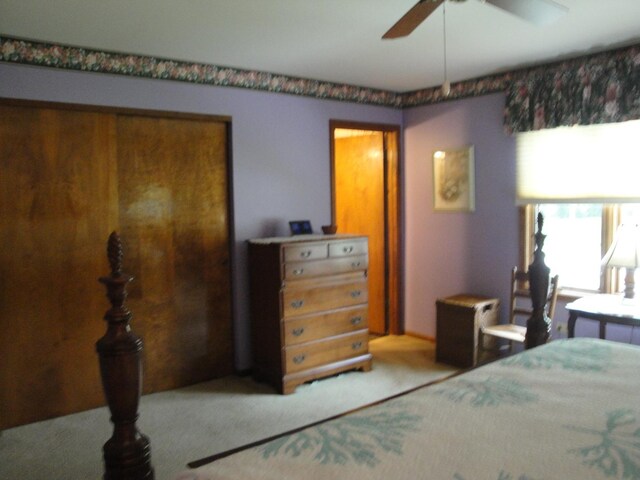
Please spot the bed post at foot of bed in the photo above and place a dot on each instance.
(127, 455)
(539, 324)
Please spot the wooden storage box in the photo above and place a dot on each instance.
(458, 321)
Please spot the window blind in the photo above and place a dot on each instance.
(581, 164)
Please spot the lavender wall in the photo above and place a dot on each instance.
(281, 171)
(450, 253)
(281, 164)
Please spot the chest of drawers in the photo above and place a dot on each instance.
(309, 307)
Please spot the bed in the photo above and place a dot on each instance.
(568, 409)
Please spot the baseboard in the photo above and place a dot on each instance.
(421, 336)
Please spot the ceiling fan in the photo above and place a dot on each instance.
(540, 12)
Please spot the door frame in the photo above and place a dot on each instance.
(394, 240)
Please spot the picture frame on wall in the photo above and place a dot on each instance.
(454, 180)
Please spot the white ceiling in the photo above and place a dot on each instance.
(332, 40)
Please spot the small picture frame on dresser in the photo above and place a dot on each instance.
(300, 227)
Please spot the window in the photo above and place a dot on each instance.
(573, 246)
(581, 179)
(595, 163)
(578, 235)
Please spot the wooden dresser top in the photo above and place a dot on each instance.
(304, 238)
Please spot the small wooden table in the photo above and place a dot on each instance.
(605, 309)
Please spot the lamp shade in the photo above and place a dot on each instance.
(625, 249)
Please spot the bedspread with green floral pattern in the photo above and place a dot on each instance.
(566, 410)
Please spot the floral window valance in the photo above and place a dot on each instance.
(598, 89)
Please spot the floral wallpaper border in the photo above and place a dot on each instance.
(14, 50)
(75, 58)
(467, 88)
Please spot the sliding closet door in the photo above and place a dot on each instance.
(58, 199)
(173, 214)
(68, 178)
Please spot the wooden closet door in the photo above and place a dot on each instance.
(58, 200)
(173, 202)
(69, 177)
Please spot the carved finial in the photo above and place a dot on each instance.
(539, 236)
(126, 454)
(116, 282)
(540, 221)
(114, 253)
(539, 324)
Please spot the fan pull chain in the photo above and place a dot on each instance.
(446, 86)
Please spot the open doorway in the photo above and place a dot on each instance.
(365, 200)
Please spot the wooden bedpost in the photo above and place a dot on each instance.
(539, 324)
(127, 455)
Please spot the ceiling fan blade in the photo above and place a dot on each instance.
(539, 12)
(414, 17)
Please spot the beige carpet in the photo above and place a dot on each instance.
(195, 422)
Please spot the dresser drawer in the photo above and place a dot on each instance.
(297, 270)
(302, 301)
(314, 327)
(347, 248)
(313, 251)
(308, 355)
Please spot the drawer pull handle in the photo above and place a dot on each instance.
(356, 320)
(305, 253)
(356, 345)
(355, 264)
(298, 359)
(298, 331)
(356, 293)
(348, 249)
(298, 271)
(297, 303)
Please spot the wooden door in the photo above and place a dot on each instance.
(57, 199)
(365, 202)
(173, 214)
(69, 177)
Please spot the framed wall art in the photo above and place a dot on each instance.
(453, 180)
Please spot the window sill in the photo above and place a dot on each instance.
(570, 294)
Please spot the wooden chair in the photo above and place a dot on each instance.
(513, 332)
